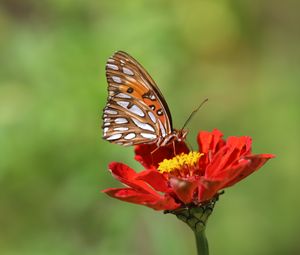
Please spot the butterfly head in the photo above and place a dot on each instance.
(180, 134)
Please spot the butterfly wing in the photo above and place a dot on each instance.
(136, 111)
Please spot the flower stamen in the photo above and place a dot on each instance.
(179, 163)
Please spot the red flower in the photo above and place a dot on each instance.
(170, 181)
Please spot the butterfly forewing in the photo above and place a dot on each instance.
(136, 112)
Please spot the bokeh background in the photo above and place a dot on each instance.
(243, 55)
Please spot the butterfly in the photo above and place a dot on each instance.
(136, 111)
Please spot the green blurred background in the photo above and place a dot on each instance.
(243, 55)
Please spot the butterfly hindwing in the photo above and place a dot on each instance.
(136, 112)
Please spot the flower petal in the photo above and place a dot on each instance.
(230, 176)
(251, 164)
(242, 143)
(127, 176)
(150, 156)
(133, 196)
(210, 141)
(155, 179)
(225, 163)
(184, 189)
(121, 171)
(166, 203)
(208, 189)
(228, 156)
(130, 195)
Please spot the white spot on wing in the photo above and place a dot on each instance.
(122, 95)
(121, 128)
(162, 129)
(111, 60)
(136, 110)
(152, 97)
(114, 137)
(123, 103)
(111, 66)
(110, 111)
(152, 117)
(148, 136)
(116, 79)
(142, 125)
(121, 120)
(106, 124)
(127, 71)
(105, 130)
(129, 136)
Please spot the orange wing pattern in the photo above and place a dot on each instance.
(136, 111)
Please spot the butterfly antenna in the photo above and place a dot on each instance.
(193, 113)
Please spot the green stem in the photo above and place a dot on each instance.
(196, 216)
(201, 241)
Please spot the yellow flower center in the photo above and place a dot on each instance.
(180, 162)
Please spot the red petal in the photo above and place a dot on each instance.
(121, 171)
(183, 189)
(217, 162)
(150, 156)
(167, 203)
(225, 164)
(155, 179)
(210, 141)
(143, 154)
(225, 158)
(133, 196)
(130, 195)
(228, 156)
(230, 176)
(126, 175)
(227, 175)
(208, 189)
(251, 164)
(243, 144)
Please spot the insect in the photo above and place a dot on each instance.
(136, 111)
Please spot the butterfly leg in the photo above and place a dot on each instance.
(174, 148)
